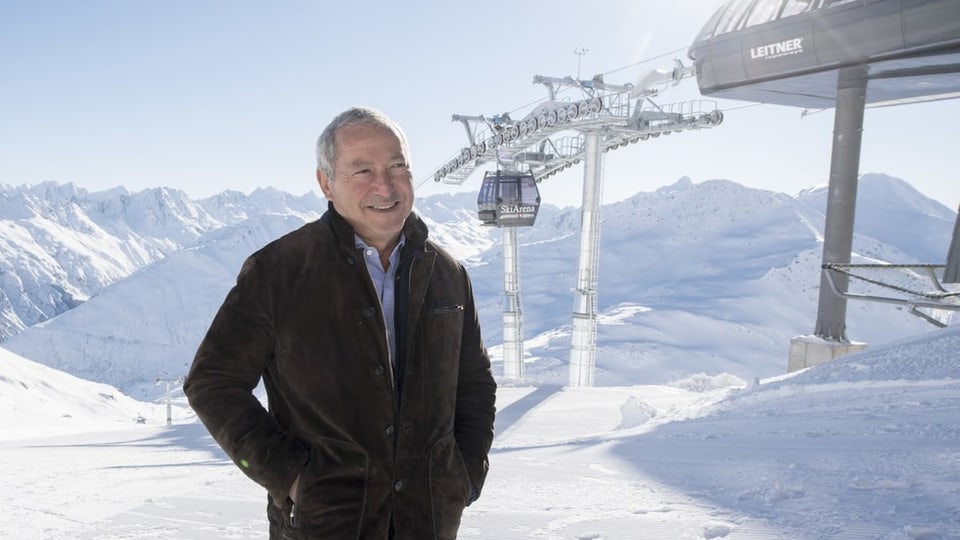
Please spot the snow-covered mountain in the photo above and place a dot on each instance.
(710, 277)
(61, 244)
(892, 212)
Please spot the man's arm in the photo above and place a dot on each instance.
(227, 367)
(476, 397)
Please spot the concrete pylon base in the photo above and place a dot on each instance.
(807, 351)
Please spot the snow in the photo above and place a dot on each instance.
(865, 447)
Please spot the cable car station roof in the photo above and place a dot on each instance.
(789, 52)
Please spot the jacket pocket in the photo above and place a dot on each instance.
(449, 486)
(441, 335)
(332, 491)
(453, 309)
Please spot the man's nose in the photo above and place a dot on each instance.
(383, 177)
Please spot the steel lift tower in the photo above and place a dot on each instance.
(554, 136)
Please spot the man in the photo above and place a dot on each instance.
(365, 334)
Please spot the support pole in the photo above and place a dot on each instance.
(842, 199)
(951, 274)
(169, 383)
(830, 339)
(583, 346)
(512, 312)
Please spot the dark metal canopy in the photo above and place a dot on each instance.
(789, 52)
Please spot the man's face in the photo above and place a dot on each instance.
(372, 187)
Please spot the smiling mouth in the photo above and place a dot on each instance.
(383, 207)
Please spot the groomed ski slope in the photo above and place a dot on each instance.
(867, 447)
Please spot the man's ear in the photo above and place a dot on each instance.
(324, 182)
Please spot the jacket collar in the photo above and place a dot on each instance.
(414, 229)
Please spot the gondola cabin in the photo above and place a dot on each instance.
(508, 199)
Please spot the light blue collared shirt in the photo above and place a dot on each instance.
(383, 282)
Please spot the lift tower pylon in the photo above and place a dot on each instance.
(554, 136)
(512, 308)
(583, 351)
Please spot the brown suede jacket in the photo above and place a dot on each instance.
(369, 442)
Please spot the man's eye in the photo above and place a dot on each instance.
(361, 173)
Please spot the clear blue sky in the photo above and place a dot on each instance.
(208, 95)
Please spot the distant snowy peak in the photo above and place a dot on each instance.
(232, 207)
(706, 206)
(682, 184)
(453, 223)
(228, 207)
(881, 192)
(880, 196)
(63, 244)
(53, 192)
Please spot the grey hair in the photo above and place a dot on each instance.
(326, 145)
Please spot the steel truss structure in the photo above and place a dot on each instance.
(915, 286)
(556, 135)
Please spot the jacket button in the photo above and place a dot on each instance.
(389, 430)
(399, 485)
(370, 311)
(378, 370)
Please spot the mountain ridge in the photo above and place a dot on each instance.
(738, 264)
